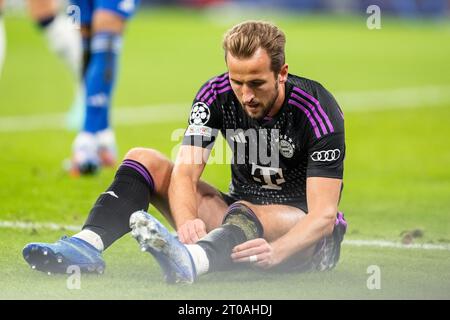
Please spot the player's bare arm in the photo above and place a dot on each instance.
(182, 192)
(323, 198)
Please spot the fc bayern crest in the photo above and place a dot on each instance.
(287, 147)
(200, 114)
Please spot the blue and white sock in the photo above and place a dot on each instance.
(99, 79)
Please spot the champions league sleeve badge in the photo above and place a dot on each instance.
(200, 114)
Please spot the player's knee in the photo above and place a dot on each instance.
(244, 203)
(151, 159)
(145, 156)
(107, 21)
(42, 9)
(241, 215)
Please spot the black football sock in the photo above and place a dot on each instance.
(129, 192)
(240, 225)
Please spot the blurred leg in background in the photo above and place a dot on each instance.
(64, 40)
(102, 26)
(62, 36)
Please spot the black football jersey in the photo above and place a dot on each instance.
(272, 157)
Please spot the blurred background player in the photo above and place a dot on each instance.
(62, 36)
(64, 39)
(93, 59)
(102, 25)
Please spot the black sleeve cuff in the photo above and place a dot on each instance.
(325, 173)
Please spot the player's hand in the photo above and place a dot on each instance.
(258, 252)
(191, 231)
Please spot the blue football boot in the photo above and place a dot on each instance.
(173, 256)
(57, 257)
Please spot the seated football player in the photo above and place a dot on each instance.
(281, 211)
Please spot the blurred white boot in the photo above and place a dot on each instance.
(107, 148)
(85, 158)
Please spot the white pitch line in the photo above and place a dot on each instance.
(396, 245)
(123, 116)
(399, 98)
(37, 225)
(351, 101)
(356, 243)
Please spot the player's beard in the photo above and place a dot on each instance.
(264, 109)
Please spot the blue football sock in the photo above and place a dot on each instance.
(99, 80)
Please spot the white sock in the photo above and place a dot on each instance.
(65, 41)
(2, 44)
(92, 238)
(200, 258)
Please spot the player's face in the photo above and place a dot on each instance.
(254, 83)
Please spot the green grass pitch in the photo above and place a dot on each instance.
(397, 175)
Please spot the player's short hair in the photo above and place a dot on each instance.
(244, 39)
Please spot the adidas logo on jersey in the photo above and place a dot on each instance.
(239, 137)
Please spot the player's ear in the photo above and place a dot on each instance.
(282, 76)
